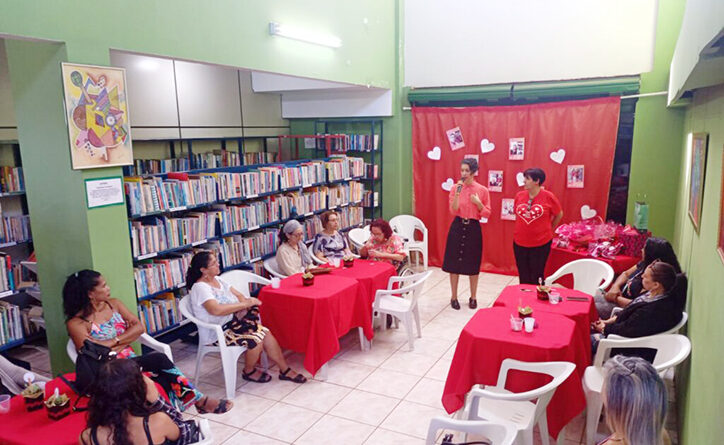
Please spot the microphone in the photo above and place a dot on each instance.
(460, 188)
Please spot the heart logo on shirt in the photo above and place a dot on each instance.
(520, 178)
(535, 212)
(486, 146)
(447, 185)
(434, 154)
(587, 212)
(558, 156)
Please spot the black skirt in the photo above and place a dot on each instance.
(464, 248)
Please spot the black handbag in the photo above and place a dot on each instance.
(90, 358)
(447, 440)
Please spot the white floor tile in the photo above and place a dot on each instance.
(427, 392)
(365, 407)
(317, 396)
(341, 372)
(274, 389)
(334, 430)
(410, 362)
(386, 437)
(389, 383)
(246, 408)
(284, 422)
(373, 357)
(411, 418)
(221, 432)
(247, 438)
(439, 370)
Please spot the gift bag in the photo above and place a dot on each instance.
(633, 241)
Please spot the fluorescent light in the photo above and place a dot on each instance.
(277, 29)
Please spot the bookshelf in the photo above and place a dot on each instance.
(18, 289)
(235, 211)
(359, 137)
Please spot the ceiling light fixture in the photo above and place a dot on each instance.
(277, 29)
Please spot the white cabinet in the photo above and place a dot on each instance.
(208, 95)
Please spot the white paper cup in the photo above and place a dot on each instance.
(529, 323)
(335, 262)
(554, 297)
(516, 324)
(275, 282)
(4, 403)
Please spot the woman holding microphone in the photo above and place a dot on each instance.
(469, 201)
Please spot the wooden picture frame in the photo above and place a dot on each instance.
(697, 174)
(720, 241)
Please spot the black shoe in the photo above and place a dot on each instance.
(455, 304)
(389, 321)
(473, 303)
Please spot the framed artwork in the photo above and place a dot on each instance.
(720, 243)
(495, 180)
(575, 176)
(696, 175)
(507, 210)
(516, 149)
(455, 137)
(96, 108)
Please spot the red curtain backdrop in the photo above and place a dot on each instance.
(585, 129)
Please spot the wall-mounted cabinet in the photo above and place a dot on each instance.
(8, 126)
(208, 95)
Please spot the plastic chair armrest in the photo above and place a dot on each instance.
(154, 344)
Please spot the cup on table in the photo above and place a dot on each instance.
(554, 297)
(516, 324)
(4, 403)
(335, 262)
(529, 323)
(275, 282)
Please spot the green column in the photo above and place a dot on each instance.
(67, 236)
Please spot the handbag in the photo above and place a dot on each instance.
(90, 359)
(447, 440)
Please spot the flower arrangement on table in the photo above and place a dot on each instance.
(601, 239)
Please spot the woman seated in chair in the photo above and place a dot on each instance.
(657, 310)
(329, 243)
(384, 245)
(628, 285)
(93, 315)
(125, 408)
(635, 402)
(292, 254)
(214, 301)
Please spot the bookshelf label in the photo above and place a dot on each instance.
(252, 228)
(147, 256)
(177, 209)
(252, 196)
(199, 242)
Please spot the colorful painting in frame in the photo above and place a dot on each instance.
(697, 173)
(96, 109)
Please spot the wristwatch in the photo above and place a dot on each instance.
(118, 341)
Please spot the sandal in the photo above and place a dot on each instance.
(455, 304)
(473, 303)
(223, 406)
(296, 379)
(263, 378)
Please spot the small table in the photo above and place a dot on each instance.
(311, 319)
(583, 313)
(561, 255)
(487, 340)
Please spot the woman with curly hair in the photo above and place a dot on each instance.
(383, 245)
(91, 314)
(125, 409)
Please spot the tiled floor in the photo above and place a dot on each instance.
(383, 396)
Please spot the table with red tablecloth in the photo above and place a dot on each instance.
(18, 426)
(311, 319)
(583, 313)
(563, 255)
(487, 340)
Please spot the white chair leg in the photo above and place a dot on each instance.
(594, 404)
(416, 313)
(543, 428)
(424, 259)
(364, 344)
(264, 361)
(383, 320)
(561, 437)
(228, 365)
(197, 371)
(410, 334)
(525, 437)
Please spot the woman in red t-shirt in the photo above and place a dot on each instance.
(469, 201)
(537, 213)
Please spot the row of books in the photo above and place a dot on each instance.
(345, 193)
(350, 142)
(242, 185)
(371, 171)
(344, 167)
(300, 203)
(15, 229)
(248, 215)
(8, 273)
(215, 159)
(370, 199)
(160, 313)
(350, 216)
(237, 249)
(146, 195)
(161, 273)
(155, 234)
(157, 166)
(11, 179)
(312, 226)
(11, 327)
(303, 174)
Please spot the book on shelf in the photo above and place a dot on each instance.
(157, 166)
(236, 249)
(160, 313)
(350, 216)
(11, 179)
(371, 171)
(342, 194)
(15, 229)
(370, 199)
(11, 327)
(344, 142)
(7, 273)
(251, 214)
(159, 233)
(259, 158)
(312, 226)
(159, 274)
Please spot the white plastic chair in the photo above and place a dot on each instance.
(496, 433)
(406, 226)
(358, 237)
(206, 438)
(402, 303)
(588, 275)
(144, 339)
(671, 349)
(239, 280)
(674, 330)
(315, 258)
(271, 266)
(523, 409)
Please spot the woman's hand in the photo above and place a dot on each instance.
(373, 253)
(598, 326)
(475, 199)
(254, 302)
(458, 187)
(612, 295)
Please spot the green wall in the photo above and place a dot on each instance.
(657, 131)
(700, 392)
(229, 32)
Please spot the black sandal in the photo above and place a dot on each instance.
(455, 304)
(223, 406)
(473, 303)
(296, 379)
(263, 378)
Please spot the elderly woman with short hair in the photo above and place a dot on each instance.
(292, 254)
(329, 243)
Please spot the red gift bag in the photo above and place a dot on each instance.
(633, 241)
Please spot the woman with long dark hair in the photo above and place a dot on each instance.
(213, 300)
(469, 202)
(125, 409)
(628, 285)
(91, 314)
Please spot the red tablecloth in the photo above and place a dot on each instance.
(487, 340)
(371, 275)
(18, 426)
(560, 256)
(582, 312)
(310, 319)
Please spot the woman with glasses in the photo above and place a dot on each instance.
(537, 213)
(292, 254)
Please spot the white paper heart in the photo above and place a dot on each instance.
(447, 185)
(587, 212)
(558, 156)
(520, 178)
(486, 146)
(434, 154)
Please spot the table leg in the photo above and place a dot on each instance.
(561, 437)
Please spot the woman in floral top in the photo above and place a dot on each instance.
(383, 245)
